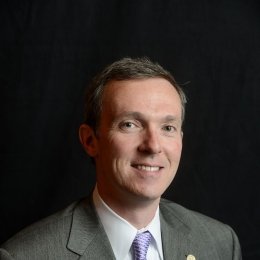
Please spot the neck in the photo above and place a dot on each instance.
(139, 212)
(139, 215)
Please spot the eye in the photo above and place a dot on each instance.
(169, 128)
(128, 125)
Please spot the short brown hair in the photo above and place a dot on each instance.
(124, 69)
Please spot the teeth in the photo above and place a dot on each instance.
(148, 168)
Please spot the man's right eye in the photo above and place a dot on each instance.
(127, 125)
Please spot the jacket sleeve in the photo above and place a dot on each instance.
(237, 255)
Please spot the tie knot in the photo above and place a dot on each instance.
(141, 244)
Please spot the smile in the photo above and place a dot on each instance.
(147, 168)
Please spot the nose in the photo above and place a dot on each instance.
(150, 143)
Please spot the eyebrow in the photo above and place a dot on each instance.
(140, 116)
(131, 114)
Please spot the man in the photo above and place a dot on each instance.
(133, 132)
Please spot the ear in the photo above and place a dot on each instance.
(88, 140)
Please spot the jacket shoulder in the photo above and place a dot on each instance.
(191, 219)
(49, 235)
(204, 232)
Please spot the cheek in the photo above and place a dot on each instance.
(179, 148)
(114, 155)
(122, 146)
(174, 150)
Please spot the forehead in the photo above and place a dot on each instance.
(153, 95)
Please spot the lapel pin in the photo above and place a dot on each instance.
(191, 257)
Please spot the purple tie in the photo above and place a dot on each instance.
(141, 244)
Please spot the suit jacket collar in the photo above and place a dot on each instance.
(87, 237)
(176, 237)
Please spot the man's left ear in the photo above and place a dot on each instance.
(88, 140)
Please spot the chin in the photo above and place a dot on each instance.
(148, 195)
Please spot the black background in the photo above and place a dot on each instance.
(51, 48)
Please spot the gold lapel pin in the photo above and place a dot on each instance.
(191, 257)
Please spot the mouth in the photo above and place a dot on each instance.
(147, 168)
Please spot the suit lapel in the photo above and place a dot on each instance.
(176, 237)
(87, 237)
(99, 248)
(179, 241)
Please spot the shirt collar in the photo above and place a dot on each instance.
(120, 232)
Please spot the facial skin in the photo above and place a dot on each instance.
(138, 144)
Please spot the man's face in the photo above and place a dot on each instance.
(139, 140)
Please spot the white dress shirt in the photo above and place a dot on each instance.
(121, 233)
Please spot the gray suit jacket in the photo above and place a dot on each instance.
(77, 233)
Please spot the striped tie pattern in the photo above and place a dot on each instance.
(141, 244)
